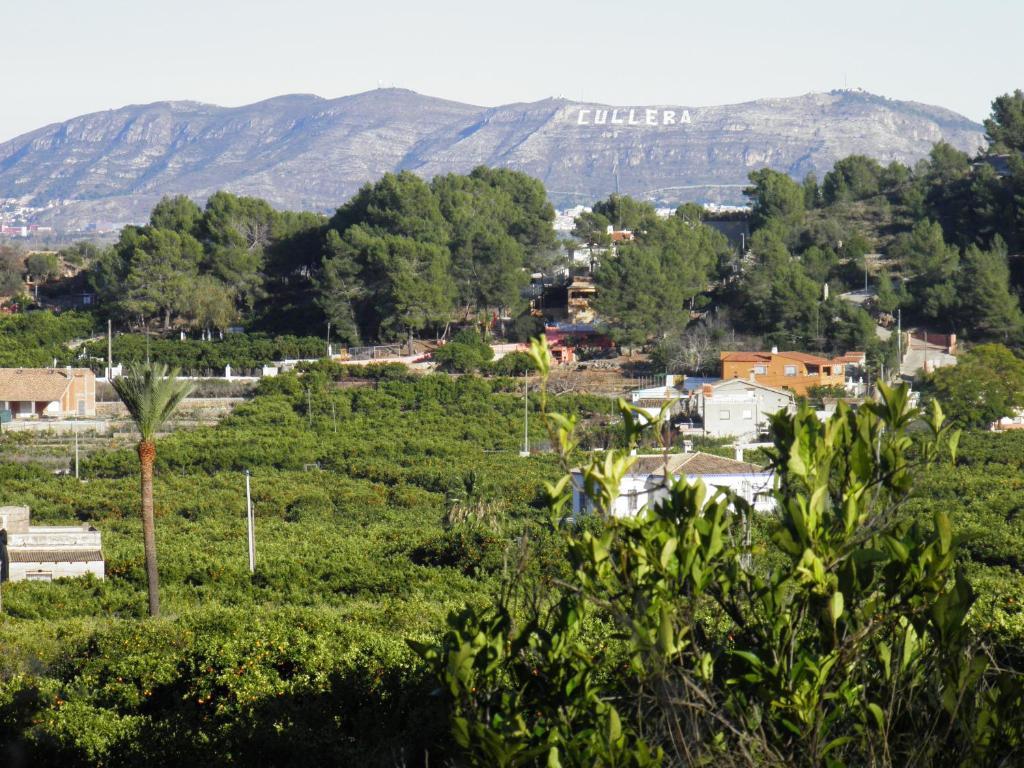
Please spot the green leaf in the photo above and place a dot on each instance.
(614, 725)
(666, 632)
(796, 462)
(835, 606)
(668, 550)
(945, 531)
(836, 743)
(877, 713)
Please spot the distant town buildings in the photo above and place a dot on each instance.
(24, 230)
(43, 553)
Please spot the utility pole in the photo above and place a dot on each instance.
(328, 339)
(899, 338)
(3, 545)
(250, 520)
(76, 450)
(526, 417)
(110, 353)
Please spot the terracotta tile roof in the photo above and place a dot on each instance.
(746, 357)
(38, 384)
(693, 464)
(709, 464)
(803, 357)
(850, 357)
(55, 555)
(653, 402)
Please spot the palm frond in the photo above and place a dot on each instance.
(151, 393)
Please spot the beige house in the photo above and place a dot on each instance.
(48, 392)
(43, 553)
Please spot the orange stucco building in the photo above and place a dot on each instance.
(797, 371)
(52, 392)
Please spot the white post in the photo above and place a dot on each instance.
(526, 418)
(899, 337)
(251, 524)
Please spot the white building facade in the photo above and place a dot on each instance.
(739, 407)
(43, 553)
(645, 484)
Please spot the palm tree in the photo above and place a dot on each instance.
(150, 393)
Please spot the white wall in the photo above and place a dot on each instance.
(747, 486)
(21, 571)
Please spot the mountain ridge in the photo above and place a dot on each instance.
(304, 151)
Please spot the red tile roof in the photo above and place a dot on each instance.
(850, 357)
(33, 384)
(746, 357)
(695, 464)
(803, 357)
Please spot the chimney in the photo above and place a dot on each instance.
(738, 452)
(775, 350)
(670, 380)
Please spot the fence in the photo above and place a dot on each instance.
(372, 353)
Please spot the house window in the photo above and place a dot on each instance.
(631, 501)
(747, 413)
(760, 370)
(724, 415)
(790, 370)
(39, 576)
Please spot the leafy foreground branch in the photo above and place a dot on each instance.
(841, 640)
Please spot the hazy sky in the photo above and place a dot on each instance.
(62, 58)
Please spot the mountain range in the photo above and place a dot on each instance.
(306, 152)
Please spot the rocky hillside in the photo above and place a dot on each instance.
(305, 152)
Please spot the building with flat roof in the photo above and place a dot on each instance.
(43, 553)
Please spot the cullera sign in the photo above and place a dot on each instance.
(633, 117)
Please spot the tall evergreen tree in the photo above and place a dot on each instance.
(990, 309)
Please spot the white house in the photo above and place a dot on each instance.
(739, 407)
(43, 553)
(645, 482)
